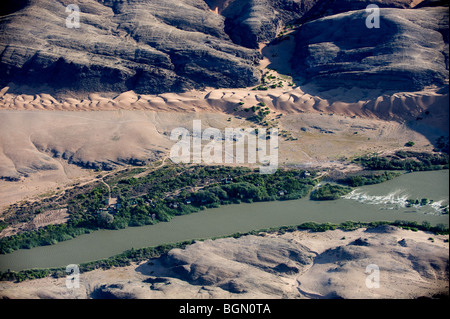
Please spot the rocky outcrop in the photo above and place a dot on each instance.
(433, 3)
(408, 52)
(250, 22)
(238, 266)
(149, 46)
(330, 7)
(156, 46)
(293, 265)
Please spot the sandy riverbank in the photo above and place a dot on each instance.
(293, 265)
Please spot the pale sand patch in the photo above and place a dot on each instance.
(38, 184)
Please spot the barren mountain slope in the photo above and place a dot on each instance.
(150, 46)
(408, 51)
(156, 46)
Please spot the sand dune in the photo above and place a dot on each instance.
(362, 103)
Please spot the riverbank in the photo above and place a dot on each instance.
(138, 197)
(330, 262)
(138, 255)
(133, 199)
(387, 201)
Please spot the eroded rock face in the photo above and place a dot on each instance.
(155, 46)
(239, 266)
(250, 22)
(149, 46)
(319, 265)
(408, 52)
(330, 7)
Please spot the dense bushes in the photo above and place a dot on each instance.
(405, 160)
(169, 191)
(48, 235)
(361, 180)
(160, 196)
(330, 192)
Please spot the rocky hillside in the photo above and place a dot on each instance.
(408, 51)
(250, 22)
(149, 46)
(155, 46)
(331, 7)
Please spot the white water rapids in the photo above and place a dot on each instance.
(396, 200)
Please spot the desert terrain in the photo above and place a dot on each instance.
(47, 144)
(54, 137)
(76, 104)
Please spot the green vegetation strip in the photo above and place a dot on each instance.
(330, 192)
(156, 197)
(138, 255)
(167, 192)
(361, 180)
(405, 160)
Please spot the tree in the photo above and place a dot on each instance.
(218, 192)
(105, 219)
(330, 192)
(356, 181)
(206, 197)
(426, 225)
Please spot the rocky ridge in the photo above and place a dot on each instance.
(156, 46)
(148, 46)
(408, 51)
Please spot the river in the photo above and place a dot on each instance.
(384, 201)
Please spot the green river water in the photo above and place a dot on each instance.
(369, 203)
